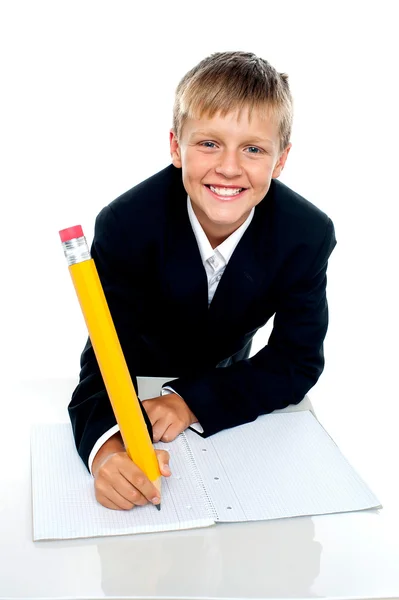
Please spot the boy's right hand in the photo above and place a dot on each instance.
(119, 483)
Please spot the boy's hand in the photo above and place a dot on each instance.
(119, 483)
(169, 416)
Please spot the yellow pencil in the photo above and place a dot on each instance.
(108, 351)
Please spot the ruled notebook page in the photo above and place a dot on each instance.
(64, 504)
(281, 465)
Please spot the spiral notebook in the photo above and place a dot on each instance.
(281, 465)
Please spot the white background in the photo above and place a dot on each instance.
(86, 95)
(86, 105)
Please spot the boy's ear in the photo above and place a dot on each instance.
(175, 150)
(279, 166)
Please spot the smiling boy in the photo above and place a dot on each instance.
(194, 260)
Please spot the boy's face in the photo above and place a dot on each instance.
(221, 156)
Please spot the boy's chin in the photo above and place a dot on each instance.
(227, 220)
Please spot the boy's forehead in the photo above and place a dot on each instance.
(241, 115)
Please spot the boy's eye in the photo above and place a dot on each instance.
(253, 149)
(257, 150)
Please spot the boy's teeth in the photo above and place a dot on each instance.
(225, 191)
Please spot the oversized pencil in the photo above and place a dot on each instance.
(108, 351)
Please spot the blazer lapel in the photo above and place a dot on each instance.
(249, 268)
(185, 286)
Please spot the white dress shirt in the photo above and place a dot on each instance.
(215, 261)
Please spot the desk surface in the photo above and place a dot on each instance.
(352, 555)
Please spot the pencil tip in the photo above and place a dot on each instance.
(158, 506)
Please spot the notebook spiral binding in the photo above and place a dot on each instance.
(197, 476)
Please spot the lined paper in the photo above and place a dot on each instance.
(281, 465)
(64, 503)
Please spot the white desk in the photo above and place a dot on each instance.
(354, 555)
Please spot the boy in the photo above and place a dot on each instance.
(194, 260)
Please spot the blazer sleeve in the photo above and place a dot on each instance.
(90, 410)
(284, 370)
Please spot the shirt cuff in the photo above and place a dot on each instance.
(168, 390)
(195, 426)
(100, 442)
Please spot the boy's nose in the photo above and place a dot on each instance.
(229, 165)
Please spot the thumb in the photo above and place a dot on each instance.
(163, 461)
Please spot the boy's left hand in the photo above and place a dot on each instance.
(169, 416)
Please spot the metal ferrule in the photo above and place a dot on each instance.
(76, 251)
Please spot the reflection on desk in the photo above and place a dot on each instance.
(212, 564)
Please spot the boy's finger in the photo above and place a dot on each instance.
(140, 481)
(163, 461)
(172, 432)
(110, 498)
(152, 409)
(159, 428)
(128, 492)
(105, 501)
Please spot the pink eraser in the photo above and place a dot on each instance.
(71, 233)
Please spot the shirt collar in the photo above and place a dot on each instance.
(227, 247)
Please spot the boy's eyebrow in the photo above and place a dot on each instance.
(212, 133)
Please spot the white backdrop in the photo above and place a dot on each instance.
(86, 106)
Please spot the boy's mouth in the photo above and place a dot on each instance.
(225, 192)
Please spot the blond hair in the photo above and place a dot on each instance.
(227, 81)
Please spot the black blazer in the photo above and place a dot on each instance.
(156, 287)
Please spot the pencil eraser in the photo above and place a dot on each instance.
(71, 233)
